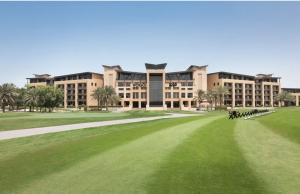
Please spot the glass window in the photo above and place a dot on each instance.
(182, 88)
(120, 84)
(176, 88)
(182, 83)
(135, 95)
(190, 88)
(190, 95)
(121, 88)
(91, 84)
(95, 84)
(156, 90)
(121, 95)
(143, 94)
(127, 95)
(182, 95)
(190, 83)
(127, 88)
(167, 88)
(175, 94)
(168, 95)
(128, 84)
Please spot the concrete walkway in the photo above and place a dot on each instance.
(42, 130)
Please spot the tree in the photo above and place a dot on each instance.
(108, 91)
(209, 96)
(20, 98)
(114, 99)
(200, 96)
(284, 97)
(98, 95)
(30, 98)
(8, 95)
(41, 96)
(221, 91)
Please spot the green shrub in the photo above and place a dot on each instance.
(85, 108)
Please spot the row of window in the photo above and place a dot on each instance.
(128, 84)
(135, 95)
(176, 95)
(134, 88)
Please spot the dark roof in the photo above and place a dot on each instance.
(290, 88)
(231, 73)
(196, 66)
(113, 66)
(130, 72)
(267, 77)
(180, 72)
(42, 74)
(38, 78)
(78, 74)
(155, 66)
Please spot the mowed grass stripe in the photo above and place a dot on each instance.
(274, 158)
(122, 169)
(209, 161)
(45, 154)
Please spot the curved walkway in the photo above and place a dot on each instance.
(42, 130)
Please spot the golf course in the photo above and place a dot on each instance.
(205, 153)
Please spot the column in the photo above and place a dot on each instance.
(297, 100)
(271, 95)
(233, 94)
(244, 97)
(263, 94)
(76, 93)
(65, 95)
(253, 94)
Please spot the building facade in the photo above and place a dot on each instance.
(156, 89)
(246, 90)
(77, 87)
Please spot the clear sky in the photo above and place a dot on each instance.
(59, 38)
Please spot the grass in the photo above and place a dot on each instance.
(208, 154)
(18, 120)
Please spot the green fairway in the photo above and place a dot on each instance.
(207, 154)
(21, 120)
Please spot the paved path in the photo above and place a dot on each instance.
(42, 130)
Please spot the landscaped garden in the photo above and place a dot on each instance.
(203, 154)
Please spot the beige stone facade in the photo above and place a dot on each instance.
(295, 92)
(156, 89)
(246, 90)
(77, 87)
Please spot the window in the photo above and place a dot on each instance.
(214, 84)
(143, 94)
(92, 84)
(167, 88)
(120, 84)
(190, 88)
(127, 88)
(182, 83)
(190, 84)
(175, 94)
(127, 95)
(218, 83)
(121, 88)
(95, 84)
(135, 88)
(190, 95)
(128, 84)
(182, 95)
(143, 88)
(135, 95)
(176, 88)
(168, 95)
(182, 88)
(121, 95)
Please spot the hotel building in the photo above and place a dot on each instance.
(156, 89)
(295, 92)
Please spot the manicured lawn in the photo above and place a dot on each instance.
(21, 120)
(207, 154)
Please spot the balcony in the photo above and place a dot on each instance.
(81, 86)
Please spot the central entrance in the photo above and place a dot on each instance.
(156, 90)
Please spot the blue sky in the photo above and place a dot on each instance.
(61, 38)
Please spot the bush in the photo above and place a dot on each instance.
(224, 107)
(85, 108)
(71, 106)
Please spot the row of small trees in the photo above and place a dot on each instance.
(41, 96)
(217, 94)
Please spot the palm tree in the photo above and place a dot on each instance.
(98, 95)
(114, 99)
(200, 96)
(284, 96)
(221, 91)
(8, 95)
(108, 91)
(209, 96)
(30, 97)
(215, 97)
